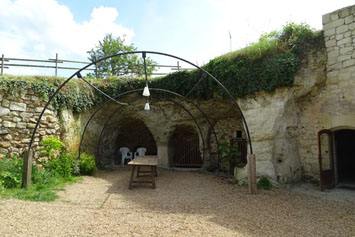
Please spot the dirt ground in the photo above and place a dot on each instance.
(183, 204)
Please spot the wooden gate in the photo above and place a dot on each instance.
(187, 151)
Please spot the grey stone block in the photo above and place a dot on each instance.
(346, 50)
(21, 125)
(26, 115)
(334, 16)
(18, 106)
(329, 32)
(344, 41)
(4, 131)
(330, 43)
(334, 24)
(341, 29)
(349, 19)
(4, 111)
(345, 12)
(326, 19)
(349, 63)
(5, 103)
(8, 124)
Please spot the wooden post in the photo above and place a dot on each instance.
(2, 64)
(27, 169)
(252, 173)
(56, 64)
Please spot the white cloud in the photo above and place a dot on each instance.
(41, 28)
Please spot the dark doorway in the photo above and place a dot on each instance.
(133, 133)
(345, 157)
(184, 148)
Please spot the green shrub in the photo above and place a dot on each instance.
(264, 183)
(10, 172)
(230, 152)
(52, 147)
(87, 164)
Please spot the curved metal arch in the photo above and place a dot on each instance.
(172, 56)
(172, 101)
(125, 53)
(139, 90)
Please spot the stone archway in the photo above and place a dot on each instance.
(133, 133)
(183, 148)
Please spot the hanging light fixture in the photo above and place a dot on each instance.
(146, 106)
(146, 89)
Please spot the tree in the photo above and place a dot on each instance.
(128, 64)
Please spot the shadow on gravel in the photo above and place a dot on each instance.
(272, 213)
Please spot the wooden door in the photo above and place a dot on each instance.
(325, 159)
(187, 151)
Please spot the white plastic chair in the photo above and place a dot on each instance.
(126, 154)
(140, 151)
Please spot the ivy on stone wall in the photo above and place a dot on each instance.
(75, 95)
(263, 66)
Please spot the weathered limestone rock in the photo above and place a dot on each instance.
(21, 125)
(16, 119)
(4, 111)
(26, 115)
(7, 137)
(18, 106)
(5, 144)
(5, 103)
(9, 124)
(4, 131)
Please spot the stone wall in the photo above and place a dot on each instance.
(18, 116)
(334, 107)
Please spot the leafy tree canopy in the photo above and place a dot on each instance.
(129, 64)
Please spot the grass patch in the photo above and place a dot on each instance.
(54, 169)
(40, 192)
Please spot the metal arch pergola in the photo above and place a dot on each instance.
(28, 157)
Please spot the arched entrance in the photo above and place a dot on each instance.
(133, 133)
(184, 149)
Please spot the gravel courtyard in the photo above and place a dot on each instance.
(183, 204)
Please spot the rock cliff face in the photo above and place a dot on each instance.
(274, 121)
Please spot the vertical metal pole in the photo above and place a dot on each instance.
(56, 64)
(2, 64)
(178, 67)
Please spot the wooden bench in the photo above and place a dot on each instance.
(144, 161)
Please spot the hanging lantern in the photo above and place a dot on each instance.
(146, 90)
(146, 106)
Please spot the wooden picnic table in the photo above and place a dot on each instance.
(144, 161)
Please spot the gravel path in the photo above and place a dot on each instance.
(183, 204)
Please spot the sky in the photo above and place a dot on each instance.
(196, 30)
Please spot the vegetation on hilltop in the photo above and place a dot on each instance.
(262, 66)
